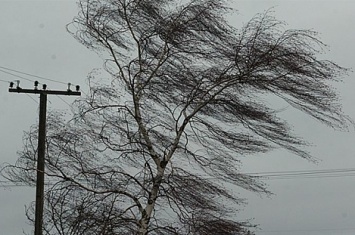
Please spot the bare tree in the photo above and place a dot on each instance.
(155, 147)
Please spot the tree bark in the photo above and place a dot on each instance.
(153, 195)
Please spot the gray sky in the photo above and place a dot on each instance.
(34, 40)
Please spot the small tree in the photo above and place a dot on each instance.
(151, 147)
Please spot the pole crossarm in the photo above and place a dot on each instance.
(47, 92)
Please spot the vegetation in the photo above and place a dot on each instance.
(151, 147)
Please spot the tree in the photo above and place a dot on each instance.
(154, 146)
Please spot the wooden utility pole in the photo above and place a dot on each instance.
(41, 143)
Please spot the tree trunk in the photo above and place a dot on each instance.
(147, 212)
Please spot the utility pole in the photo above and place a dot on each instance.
(41, 142)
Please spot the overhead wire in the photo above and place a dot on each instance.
(306, 230)
(283, 174)
(2, 69)
(32, 98)
(31, 75)
(15, 75)
(270, 173)
(20, 77)
(64, 101)
(4, 81)
(325, 173)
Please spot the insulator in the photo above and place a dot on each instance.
(77, 87)
(36, 85)
(44, 86)
(11, 84)
(69, 84)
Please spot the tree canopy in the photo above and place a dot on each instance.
(152, 146)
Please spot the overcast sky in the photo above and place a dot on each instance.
(34, 40)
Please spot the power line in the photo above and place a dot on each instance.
(4, 81)
(16, 75)
(63, 100)
(28, 74)
(32, 98)
(327, 173)
(270, 173)
(306, 230)
(2, 68)
(31, 75)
